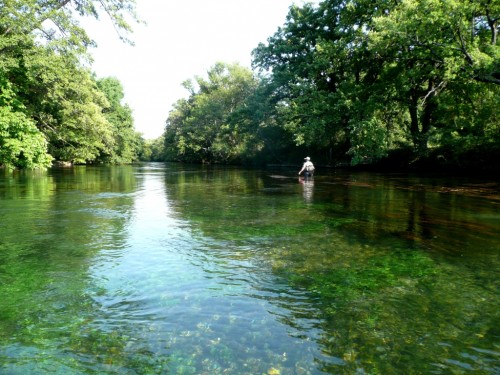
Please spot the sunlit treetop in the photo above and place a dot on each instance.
(56, 22)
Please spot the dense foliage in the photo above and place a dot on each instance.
(359, 81)
(355, 81)
(211, 125)
(127, 144)
(51, 106)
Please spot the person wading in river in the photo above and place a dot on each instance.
(308, 167)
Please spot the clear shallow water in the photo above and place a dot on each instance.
(159, 269)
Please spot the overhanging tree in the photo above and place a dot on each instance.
(43, 50)
(431, 50)
(374, 76)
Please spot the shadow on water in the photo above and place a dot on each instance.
(166, 268)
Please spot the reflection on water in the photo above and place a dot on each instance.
(200, 270)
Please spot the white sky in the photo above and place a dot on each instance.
(182, 38)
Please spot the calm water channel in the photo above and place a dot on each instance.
(169, 269)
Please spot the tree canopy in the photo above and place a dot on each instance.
(126, 144)
(359, 81)
(51, 105)
(207, 126)
(378, 75)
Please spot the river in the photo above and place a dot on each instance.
(179, 269)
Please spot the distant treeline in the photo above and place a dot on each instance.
(361, 82)
(353, 82)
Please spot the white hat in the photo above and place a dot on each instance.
(307, 158)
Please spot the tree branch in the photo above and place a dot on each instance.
(487, 79)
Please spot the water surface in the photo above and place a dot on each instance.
(170, 269)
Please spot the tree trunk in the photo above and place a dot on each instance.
(493, 24)
(413, 109)
(429, 106)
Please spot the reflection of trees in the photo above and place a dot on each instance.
(379, 208)
(418, 227)
(376, 302)
(53, 224)
(216, 198)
